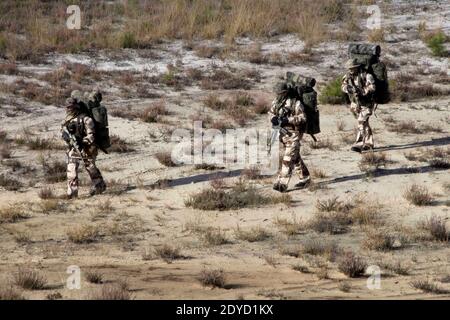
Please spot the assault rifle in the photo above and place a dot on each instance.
(72, 141)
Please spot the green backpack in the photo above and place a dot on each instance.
(368, 55)
(305, 92)
(99, 114)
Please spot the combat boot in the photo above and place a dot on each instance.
(73, 195)
(280, 187)
(303, 183)
(99, 188)
(356, 149)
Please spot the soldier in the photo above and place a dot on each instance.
(287, 112)
(360, 87)
(79, 132)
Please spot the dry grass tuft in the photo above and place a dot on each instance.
(165, 158)
(323, 144)
(352, 265)
(55, 171)
(212, 278)
(120, 145)
(252, 235)
(379, 240)
(418, 195)
(168, 253)
(30, 279)
(9, 183)
(94, 276)
(240, 196)
(83, 234)
(9, 293)
(436, 228)
(428, 286)
(290, 227)
(12, 213)
(214, 237)
(372, 161)
(46, 193)
(114, 291)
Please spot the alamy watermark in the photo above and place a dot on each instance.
(239, 147)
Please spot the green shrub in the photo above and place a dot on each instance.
(332, 93)
(436, 44)
(128, 40)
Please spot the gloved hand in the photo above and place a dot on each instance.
(86, 142)
(274, 121)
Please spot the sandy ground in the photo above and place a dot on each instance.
(140, 218)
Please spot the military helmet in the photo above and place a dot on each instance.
(76, 94)
(352, 63)
(310, 82)
(72, 103)
(95, 96)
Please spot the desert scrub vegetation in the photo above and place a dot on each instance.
(436, 228)
(428, 286)
(436, 157)
(331, 93)
(240, 196)
(352, 265)
(9, 293)
(119, 145)
(407, 91)
(12, 213)
(214, 278)
(372, 161)
(435, 41)
(418, 195)
(290, 227)
(29, 279)
(214, 236)
(113, 291)
(94, 276)
(54, 170)
(83, 234)
(9, 183)
(334, 216)
(165, 158)
(46, 193)
(168, 253)
(379, 240)
(145, 23)
(254, 234)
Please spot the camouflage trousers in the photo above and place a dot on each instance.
(292, 161)
(364, 136)
(73, 163)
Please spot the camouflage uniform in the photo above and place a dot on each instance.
(361, 105)
(295, 124)
(82, 127)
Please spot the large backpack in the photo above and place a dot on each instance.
(305, 92)
(99, 114)
(368, 55)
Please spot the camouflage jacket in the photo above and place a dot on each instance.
(83, 127)
(292, 109)
(364, 82)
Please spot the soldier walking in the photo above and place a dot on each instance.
(79, 132)
(287, 112)
(360, 87)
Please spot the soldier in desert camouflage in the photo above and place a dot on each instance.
(360, 87)
(79, 133)
(288, 114)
